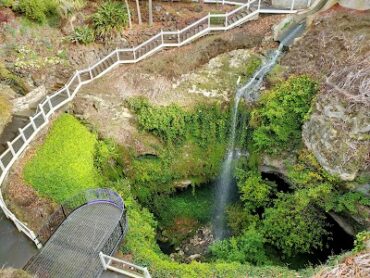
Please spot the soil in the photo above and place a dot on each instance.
(20, 197)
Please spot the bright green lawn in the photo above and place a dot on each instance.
(64, 164)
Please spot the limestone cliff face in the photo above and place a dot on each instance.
(338, 134)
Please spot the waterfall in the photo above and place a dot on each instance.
(250, 91)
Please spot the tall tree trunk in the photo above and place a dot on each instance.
(150, 13)
(128, 14)
(138, 12)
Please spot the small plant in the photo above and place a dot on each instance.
(110, 18)
(361, 241)
(82, 34)
(37, 10)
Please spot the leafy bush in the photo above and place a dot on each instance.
(361, 241)
(38, 10)
(205, 123)
(281, 113)
(64, 165)
(239, 219)
(255, 192)
(249, 247)
(12, 80)
(82, 34)
(293, 225)
(110, 18)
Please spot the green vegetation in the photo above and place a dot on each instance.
(70, 149)
(194, 144)
(64, 165)
(83, 35)
(181, 214)
(247, 248)
(277, 121)
(37, 10)
(14, 81)
(110, 18)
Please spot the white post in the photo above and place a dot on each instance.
(223, 2)
(248, 4)
(2, 166)
(134, 55)
(162, 36)
(226, 21)
(43, 113)
(117, 54)
(102, 260)
(33, 123)
(79, 77)
(209, 20)
(292, 6)
(178, 37)
(11, 148)
(49, 101)
(91, 76)
(259, 5)
(22, 135)
(308, 3)
(68, 92)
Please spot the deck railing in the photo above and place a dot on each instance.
(164, 39)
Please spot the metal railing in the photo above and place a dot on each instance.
(122, 267)
(88, 197)
(66, 94)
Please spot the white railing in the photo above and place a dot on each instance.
(122, 267)
(119, 56)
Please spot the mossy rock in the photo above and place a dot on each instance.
(14, 81)
(5, 111)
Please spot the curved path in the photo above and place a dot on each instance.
(73, 250)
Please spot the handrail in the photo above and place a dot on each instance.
(67, 93)
(88, 197)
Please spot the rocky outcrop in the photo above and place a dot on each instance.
(338, 134)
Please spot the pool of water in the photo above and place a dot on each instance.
(15, 248)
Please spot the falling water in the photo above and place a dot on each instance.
(250, 91)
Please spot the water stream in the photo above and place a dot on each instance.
(250, 91)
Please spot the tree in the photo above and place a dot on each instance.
(138, 12)
(128, 14)
(150, 13)
(294, 225)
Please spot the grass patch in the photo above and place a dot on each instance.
(64, 164)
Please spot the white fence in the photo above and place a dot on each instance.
(207, 24)
(122, 267)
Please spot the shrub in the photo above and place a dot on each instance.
(83, 35)
(64, 165)
(293, 225)
(38, 10)
(281, 113)
(255, 192)
(249, 247)
(110, 18)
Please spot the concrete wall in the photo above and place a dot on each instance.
(286, 4)
(355, 4)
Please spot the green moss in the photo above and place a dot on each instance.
(194, 145)
(5, 111)
(64, 164)
(14, 81)
(278, 119)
